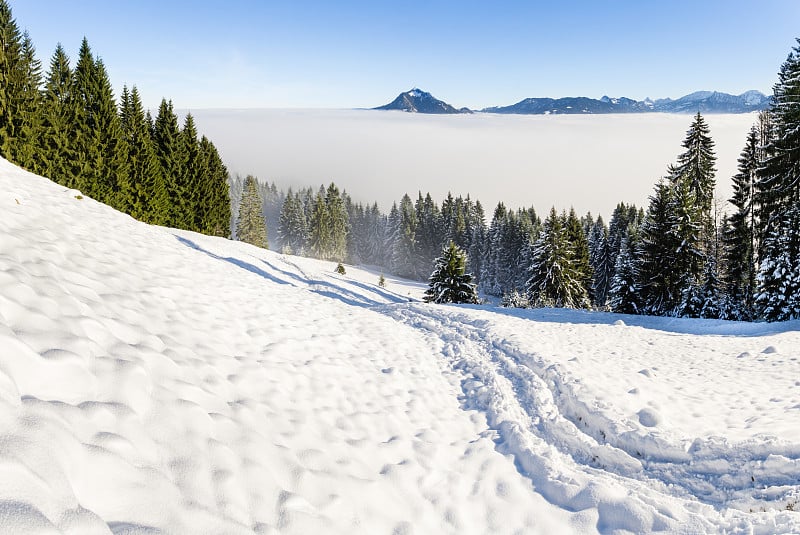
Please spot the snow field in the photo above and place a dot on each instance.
(159, 381)
(151, 385)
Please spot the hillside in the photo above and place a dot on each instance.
(161, 381)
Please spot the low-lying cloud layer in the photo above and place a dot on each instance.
(589, 162)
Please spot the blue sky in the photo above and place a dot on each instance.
(242, 54)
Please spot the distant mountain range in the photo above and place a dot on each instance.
(418, 101)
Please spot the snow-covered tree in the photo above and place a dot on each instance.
(554, 281)
(251, 227)
(623, 295)
(778, 297)
(450, 282)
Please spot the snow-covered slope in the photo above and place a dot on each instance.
(159, 381)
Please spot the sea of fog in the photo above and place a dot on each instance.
(590, 162)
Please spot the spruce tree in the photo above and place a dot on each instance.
(778, 297)
(740, 238)
(56, 148)
(167, 144)
(187, 206)
(554, 281)
(449, 282)
(579, 246)
(148, 199)
(214, 210)
(293, 231)
(624, 291)
(657, 279)
(337, 220)
(251, 227)
(319, 235)
(25, 107)
(11, 80)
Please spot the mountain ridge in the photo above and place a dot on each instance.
(419, 101)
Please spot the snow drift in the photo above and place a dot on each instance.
(159, 381)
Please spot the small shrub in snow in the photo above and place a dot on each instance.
(340, 269)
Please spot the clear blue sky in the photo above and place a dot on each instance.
(344, 54)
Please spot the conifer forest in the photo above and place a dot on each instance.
(681, 255)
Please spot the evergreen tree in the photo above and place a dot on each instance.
(449, 282)
(554, 281)
(24, 107)
(101, 151)
(579, 246)
(657, 280)
(190, 178)
(338, 223)
(167, 144)
(603, 266)
(148, 196)
(319, 227)
(215, 207)
(712, 297)
(293, 230)
(695, 168)
(55, 147)
(11, 79)
(624, 292)
(778, 297)
(779, 185)
(740, 239)
(405, 249)
(251, 227)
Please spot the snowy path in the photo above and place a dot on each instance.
(579, 457)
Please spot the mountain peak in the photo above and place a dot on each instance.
(416, 100)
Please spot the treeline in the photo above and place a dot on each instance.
(66, 125)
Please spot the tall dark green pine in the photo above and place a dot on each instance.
(658, 281)
(623, 295)
(554, 281)
(579, 245)
(319, 228)
(216, 210)
(251, 227)
(167, 145)
(695, 167)
(337, 219)
(25, 107)
(10, 79)
(778, 193)
(101, 150)
(450, 282)
(740, 238)
(56, 146)
(148, 196)
(405, 249)
(778, 183)
(189, 177)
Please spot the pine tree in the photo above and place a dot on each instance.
(251, 227)
(337, 219)
(148, 196)
(100, 148)
(624, 292)
(601, 262)
(695, 167)
(554, 281)
(215, 209)
(10, 78)
(293, 230)
(579, 246)
(190, 177)
(56, 147)
(25, 107)
(740, 238)
(405, 245)
(167, 144)
(319, 228)
(778, 297)
(449, 282)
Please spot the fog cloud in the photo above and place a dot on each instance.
(589, 162)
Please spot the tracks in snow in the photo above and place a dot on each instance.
(578, 456)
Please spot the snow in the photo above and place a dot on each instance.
(160, 381)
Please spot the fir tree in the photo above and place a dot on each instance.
(293, 227)
(624, 292)
(740, 239)
(55, 147)
(148, 197)
(579, 246)
(11, 79)
(337, 220)
(554, 281)
(189, 181)
(449, 282)
(319, 227)
(25, 107)
(215, 208)
(166, 141)
(251, 227)
(657, 279)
